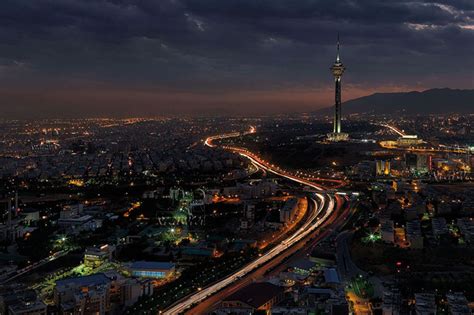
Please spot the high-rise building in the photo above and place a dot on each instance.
(382, 167)
(337, 70)
(99, 293)
(97, 256)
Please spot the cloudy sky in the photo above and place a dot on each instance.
(147, 57)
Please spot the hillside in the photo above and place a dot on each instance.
(432, 101)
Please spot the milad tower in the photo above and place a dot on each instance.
(337, 70)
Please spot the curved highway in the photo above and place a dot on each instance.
(323, 208)
(399, 132)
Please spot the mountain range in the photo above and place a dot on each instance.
(433, 101)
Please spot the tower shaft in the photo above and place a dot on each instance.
(9, 218)
(337, 106)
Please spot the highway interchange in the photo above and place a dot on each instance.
(326, 210)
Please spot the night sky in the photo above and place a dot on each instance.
(147, 57)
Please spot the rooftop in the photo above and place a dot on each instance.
(256, 294)
(304, 264)
(331, 276)
(95, 279)
(152, 265)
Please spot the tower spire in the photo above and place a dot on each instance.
(337, 56)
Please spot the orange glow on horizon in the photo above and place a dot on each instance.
(101, 100)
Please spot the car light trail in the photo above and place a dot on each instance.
(313, 222)
(308, 227)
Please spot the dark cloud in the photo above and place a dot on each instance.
(206, 45)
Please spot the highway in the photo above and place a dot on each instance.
(307, 228)
(347, 268)
(18, 273)
(324, 206)
(301, 178)
(399, 132)
(271, 267)
(302, 249)
(333, 224)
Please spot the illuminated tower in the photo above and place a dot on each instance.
(337, 70)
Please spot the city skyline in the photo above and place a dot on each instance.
(83, 58)
(215, 157)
